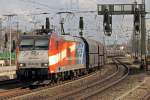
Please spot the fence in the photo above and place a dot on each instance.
(6, 56)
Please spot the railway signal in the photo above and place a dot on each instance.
(62, 26)
(137, 20)
(139, 12)
(13, 46)
(107, 23)
(6, 37)
(81, 25)
(47, 23)
(6, 40)
(136, 35)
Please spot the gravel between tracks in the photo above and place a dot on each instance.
(50, 92)
(134, 87)
(138, 92)
(88, 91)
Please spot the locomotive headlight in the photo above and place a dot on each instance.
(21, 64)
(45, 64)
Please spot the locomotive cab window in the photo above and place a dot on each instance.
(34, 44)
(27, 44)
(41, 44)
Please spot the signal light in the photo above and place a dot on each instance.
(107, 28)
(47, 23)
(137, 20)
(106, 17)
(137, 28)
(81, 24)
(5, 45)
(6, 37)
(107, 23)
(137, 23)
(13, 46)
(110, 19)
(6, 40)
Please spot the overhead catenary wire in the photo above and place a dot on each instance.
(41, 4)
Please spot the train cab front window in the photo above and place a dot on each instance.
(27, 44)
(41, 44)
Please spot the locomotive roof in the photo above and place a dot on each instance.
(65, 37)
(71, 38)
(91, 41)
(34, 36)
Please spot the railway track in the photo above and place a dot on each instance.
(84, 92)
(79, 93)
(18, 91)
(88, 91)
(13, 88)
(12, 81)
(37, 93)
(13, 93)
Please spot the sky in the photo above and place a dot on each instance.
(30, 6)
(29, 11)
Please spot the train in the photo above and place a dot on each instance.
(115, 53)
(57, 57)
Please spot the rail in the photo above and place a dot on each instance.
(18, 92)
(102, 84)
(88, 91)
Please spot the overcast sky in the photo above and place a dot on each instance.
(30, 7)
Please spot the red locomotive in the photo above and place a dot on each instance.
(57, 57)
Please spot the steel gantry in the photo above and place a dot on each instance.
(138, 10)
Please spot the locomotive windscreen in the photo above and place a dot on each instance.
(34, 44)
(41, 44)
(27, 44)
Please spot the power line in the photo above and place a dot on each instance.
(41, 4)
(58, 10)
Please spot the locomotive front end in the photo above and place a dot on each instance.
(32, 58)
